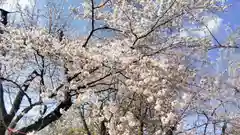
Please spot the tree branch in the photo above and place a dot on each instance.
(26, 110)
(19, 87)
(3, 111)
(155, 24)
(84, 123)
(92, 24)
(224, 127)
(51, 117)
(18, 99)
(102, 5)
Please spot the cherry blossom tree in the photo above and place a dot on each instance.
(147, 77)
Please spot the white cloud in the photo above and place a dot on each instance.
(213, 23)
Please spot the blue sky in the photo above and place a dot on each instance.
(233, 14)
(232, 17)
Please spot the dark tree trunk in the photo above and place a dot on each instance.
(51, 117)
(2, 129)
(103, 128)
